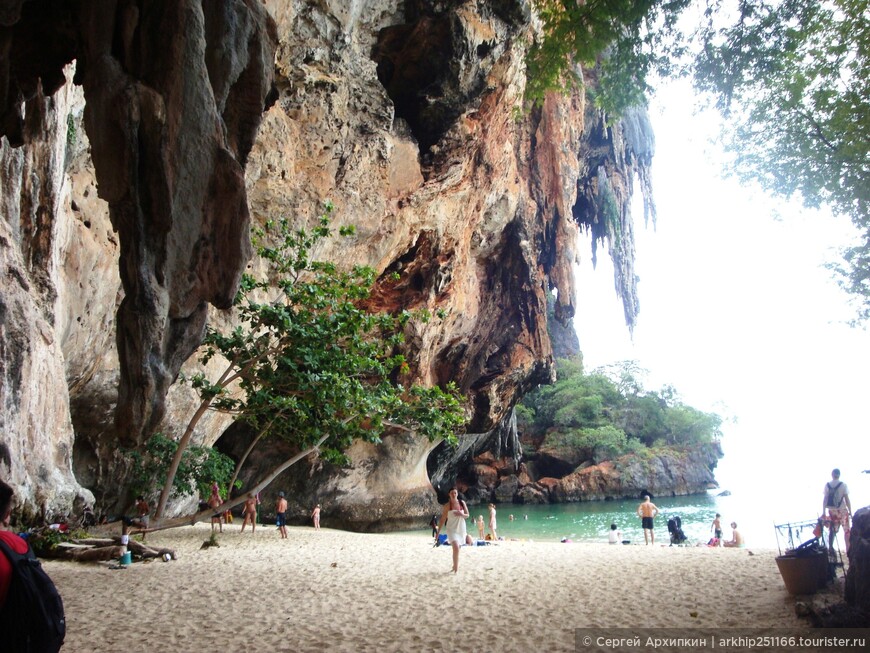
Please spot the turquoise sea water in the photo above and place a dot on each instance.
(757, 504)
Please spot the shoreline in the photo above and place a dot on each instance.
(337, 590)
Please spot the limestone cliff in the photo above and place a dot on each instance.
(542, 477)
(406, 115)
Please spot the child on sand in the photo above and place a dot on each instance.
(480, 526)
(716, 527)
(614, 537)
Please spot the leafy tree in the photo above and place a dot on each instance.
(792, 78)
(608, 413)
(309, 363)
(198, 469)
(622, 41)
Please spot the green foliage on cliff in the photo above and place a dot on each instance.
(791, 77)
(607, 413)
(309, 363)
(622, 40)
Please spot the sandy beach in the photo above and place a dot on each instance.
(331, 590)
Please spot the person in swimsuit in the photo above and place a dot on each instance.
(315, 517)
(281, 515)
(453, 518)
(481, 527)
(716, 527)
(647, 512)
(215, 501)
(736, 538)
(492, 522)
(249, 513)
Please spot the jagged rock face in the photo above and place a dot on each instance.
(36, 432)
(475, 203)
(857, 590)
(558, 476)
(174, 93)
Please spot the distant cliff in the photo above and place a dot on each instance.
(544, 478)
(140, 142)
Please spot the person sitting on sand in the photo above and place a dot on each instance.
(736, 540)
(614, 537)
(249, 513)
(315, 517)
(647, 512)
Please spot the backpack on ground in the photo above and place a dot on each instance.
(32, 619)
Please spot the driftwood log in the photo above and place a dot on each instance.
(90, 554)
(91, 549)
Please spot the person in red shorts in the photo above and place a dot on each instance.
(12, 540)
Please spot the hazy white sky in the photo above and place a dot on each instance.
(737, 313)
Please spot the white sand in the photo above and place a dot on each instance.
(337, 591)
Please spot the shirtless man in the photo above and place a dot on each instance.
(647, 511)
(141, 520)
(736, 537)
(281, 515)
(249, 513)
(215, 501)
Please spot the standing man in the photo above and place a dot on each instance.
(215, 501)
(281, 515)
(647, 511)
(839, 509)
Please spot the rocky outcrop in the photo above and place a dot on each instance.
(544, 479)
(174, 92)
(474, 202)
(857, 592)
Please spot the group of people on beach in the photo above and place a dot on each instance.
(736, 540)
(251, 510)
(648, 511)
(836, 513)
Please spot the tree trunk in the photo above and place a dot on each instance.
(92, 554)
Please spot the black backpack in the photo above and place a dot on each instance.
(32, 619)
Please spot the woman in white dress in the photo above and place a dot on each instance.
(453, 518)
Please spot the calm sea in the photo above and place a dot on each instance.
(756, 503)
